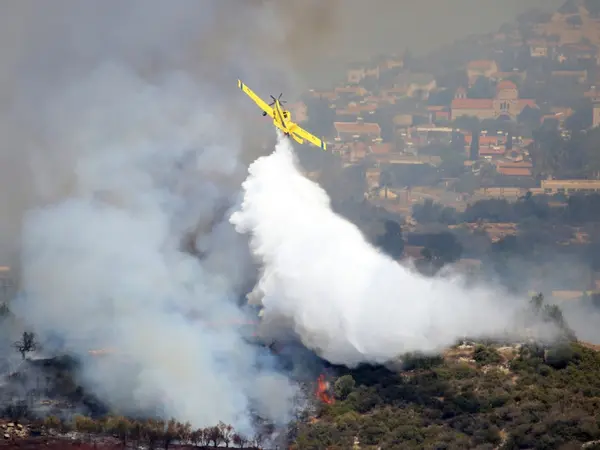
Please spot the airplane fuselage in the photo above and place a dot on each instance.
(282, 117)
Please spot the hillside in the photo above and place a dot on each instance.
(474, 397)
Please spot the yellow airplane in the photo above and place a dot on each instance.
(282, 118)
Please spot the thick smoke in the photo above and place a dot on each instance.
(47, 49)
(124, 141)
(103, 267)
(344, 298)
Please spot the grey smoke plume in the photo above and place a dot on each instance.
(344, 298)
(103, 267)
(46, 49)
(124, 143)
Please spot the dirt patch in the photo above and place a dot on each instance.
(591, 346)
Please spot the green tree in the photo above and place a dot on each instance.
(343, 386)
(468, 123)
(239, 440)
(226, 433)
(52, 423)
(536, 302)
(474, 148)
(530, 118)
(441, 249)
(582, 117)
(153, 431)
(392, 241)
(85, 425)
(119, 426)
(136, 433)
(482, 88)
(560, 356)
(575, 21)
(486, 355)
(214, 435)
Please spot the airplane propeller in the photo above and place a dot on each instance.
(282, 102)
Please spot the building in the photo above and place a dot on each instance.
(514, 169)
(350, 92)
(538, 48)
(356, 73)
(570, 186)
(580, 76)
(438, 114)
(373, 176)
(596, 115)
(355, 110)
(506, 103)
(415, 84)
(353, 131)
(502, 192)
(481, 68)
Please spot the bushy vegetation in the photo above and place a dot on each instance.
(481, 396)
(152, 433)
(575, 210)
(543, 398)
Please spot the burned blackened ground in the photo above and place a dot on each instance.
(46, 386)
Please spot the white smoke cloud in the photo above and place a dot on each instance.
(345, 299)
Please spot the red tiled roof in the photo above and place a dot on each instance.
(358, 90)
(505, 84)
(472, 103)
(517, 164)
(483, 140)
(481, 64)
(357, 127)
(514, 171)
(356, 109)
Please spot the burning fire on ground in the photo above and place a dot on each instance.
(323, 392)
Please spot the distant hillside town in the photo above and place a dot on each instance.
(471, 112)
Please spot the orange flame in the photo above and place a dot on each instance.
(322, 390)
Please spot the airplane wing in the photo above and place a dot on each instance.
(302, 133)
(260, 102)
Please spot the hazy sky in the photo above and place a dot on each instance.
(363, 28)
(424, 24)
